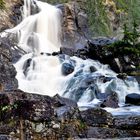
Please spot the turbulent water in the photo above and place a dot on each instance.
(39, 35)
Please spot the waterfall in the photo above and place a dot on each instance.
(39, 35)
(39, 32)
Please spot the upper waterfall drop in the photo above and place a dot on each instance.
(39, 32)
(26, 8)
(48, 26)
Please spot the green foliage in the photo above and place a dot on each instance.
(131, 36)
(8, 107)
(97, 16)
(2, 4)
(56, 1)
(129, 45)
(124, 11)
(131, 8)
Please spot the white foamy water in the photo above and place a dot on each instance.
(40, 32)
(39, 72)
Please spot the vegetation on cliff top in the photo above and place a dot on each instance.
(106, 16)
(2, 4)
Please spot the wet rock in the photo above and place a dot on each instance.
(56, 117)
(26, 66)
(66, 113)
(101, 41)
(97, 50)
(85, 84)
(8, 72)
(55, 53)
(109, 100)
(104, 133)
(66, 109)
(92, 69)
(60, 101)
(127, 122)
(133, 98)
(67, 68)
(28, 106)
(67, 51)
(122, 76)
(137, 78)
(107, 79)
(34, 110)
(102, 96)
(82, 53)
(119, 62)
(97, 117)
(4, 137)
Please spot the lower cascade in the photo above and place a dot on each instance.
(38, 71)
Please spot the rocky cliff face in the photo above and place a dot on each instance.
(7, 70)
(75, 25)
(11, 14)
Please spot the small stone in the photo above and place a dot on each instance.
(92, 69)
(67, 68)
(12, 133)
(56, 126)
(122, 76)
(39, 127)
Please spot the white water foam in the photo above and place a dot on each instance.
(40, 32)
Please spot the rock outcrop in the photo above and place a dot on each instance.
(75, 25)
(98, 49)
(11, 14)
(8, 72)
(133, 99)
(27, 116)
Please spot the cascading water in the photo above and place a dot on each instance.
(39, 72)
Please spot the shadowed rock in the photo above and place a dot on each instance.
(133, 98)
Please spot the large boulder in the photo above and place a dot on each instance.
(108, 99)
(52, 118)
(106, 133)
(67, 68)
(8, 72)
(133, 98)
(128, 122)
(97, 117)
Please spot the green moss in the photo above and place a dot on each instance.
(2, 4)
